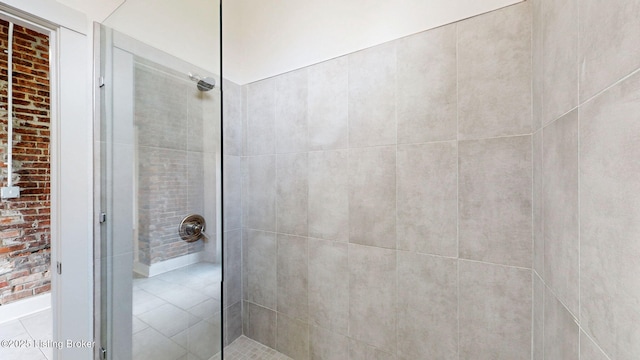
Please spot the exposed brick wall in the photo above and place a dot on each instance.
(25, 237)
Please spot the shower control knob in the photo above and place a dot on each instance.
(192, 228)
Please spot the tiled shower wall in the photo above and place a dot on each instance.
(232, 210)
(586, 179)
(387, 198)
(170, 162)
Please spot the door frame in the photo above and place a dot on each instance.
(71, 170)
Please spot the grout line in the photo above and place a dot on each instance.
(579, 314)
(533, 244)
(582, 331)
(495, 137)
(609, 87)
(395, 179)
(495, 264)
(542, 232)
(578, 46)
(426, 254)
(547, 123)
(276, 212)
(533, 314)
(534, 126)
(307, 321)
(457, 188)
(544, 308)
(349, 220)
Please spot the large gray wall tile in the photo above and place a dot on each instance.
(427, 86)
(589, 350)
(536, 63)
(232, 192)
(495, 312)
(245, 116)
(329, 285)
(261, 112)
(538, 205)
(233, 267)
(328, 213)
(495, 200)
(293, 337)
(372, 196)
(259, 262)
(560, 330)
(372, 98)
(610, 219)
(362, 351)
(259, 193)
(291, 112)
(260, 324)
(293, 281)
(427, 306)
(494, 73)
(328, 98)
(232, 119)
(428, 198)
(327, 345)
(560, 57)
(609, 39)
(538, 318)
(372, 296)
(232, 322)
(560, 214)
(292, 193)
(335, 181)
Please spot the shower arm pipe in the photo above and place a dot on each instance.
(10, 107)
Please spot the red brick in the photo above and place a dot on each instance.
(8, 234)
(41, 289)
(31, 227)
(17, 274)
(16, 296)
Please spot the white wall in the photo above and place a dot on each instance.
(187, 29)
(265, 38)
(94, 10)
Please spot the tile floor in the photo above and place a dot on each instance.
(176, 316)
(244, 348)
(38, 327)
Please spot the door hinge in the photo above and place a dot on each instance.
(101, 81)
(59, 267)
(103, 217)
(103, 353)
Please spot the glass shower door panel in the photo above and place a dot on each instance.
(162, 290)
